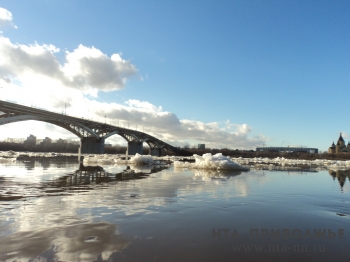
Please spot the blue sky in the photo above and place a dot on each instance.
(231, 74)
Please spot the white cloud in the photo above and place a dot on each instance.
(345, 135)
(19, 60)
(89, 67)
(5, 17)
(167, 126)
(86, 68)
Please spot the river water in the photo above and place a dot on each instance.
(55, 209)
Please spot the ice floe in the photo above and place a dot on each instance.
(11, 154)
(7, 159)
(209, 161)
(34, 154)
(280, 163)
(137, 160)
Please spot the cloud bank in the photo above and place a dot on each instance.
(167, 126)
(85, 67)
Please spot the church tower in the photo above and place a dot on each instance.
(340, 144)
(331, 149)
(341, 141)
(340, 147)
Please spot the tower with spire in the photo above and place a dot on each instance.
(340, 147)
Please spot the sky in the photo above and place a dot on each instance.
(230, 74)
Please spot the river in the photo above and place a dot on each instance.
(56, 209)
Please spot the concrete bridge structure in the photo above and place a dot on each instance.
(92, 134)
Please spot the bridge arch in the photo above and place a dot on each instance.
(91, 133)
(136, 144)
(71, 127)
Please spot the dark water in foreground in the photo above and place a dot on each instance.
(51, 211)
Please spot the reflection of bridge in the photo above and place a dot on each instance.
(88, 175)
(92, 134)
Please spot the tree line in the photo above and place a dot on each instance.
(65, 147)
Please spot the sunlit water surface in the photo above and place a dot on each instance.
(54, 209)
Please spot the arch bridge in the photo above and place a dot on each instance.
(92, 134)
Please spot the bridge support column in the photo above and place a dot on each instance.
(135, 147)
(91, 145)
(155, 151)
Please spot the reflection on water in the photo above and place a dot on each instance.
(94, 175)
(59, 210)
(83, 179)
(72, 243)
(341, 176)
(46, 162)
(206, 174)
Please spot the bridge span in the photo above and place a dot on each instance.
(92, 134)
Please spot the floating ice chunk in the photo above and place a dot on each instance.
(90, 159)
(209, 161)
(136, 160)
(105, 161)
(7, 159)
(141, 160)
(179, 164)
(141, 168)
(9, 154)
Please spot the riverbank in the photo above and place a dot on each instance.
(254, 154)
(192, 151)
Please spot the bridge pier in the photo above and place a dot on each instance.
(135, 147)
(92, 145)
(155, 151)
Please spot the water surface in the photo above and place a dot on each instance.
(55, 209)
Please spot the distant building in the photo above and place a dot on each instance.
(340, 147)
(14, 140)
(30, 141)
(288, 149)
(61, 141)
(73, 142)
(46, 141)
(201, 146)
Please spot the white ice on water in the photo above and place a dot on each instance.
(137, 160)
(117, 159)
(209, 161)
(8, 156)
(34, 154)
(7, 159)
(281, 161)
